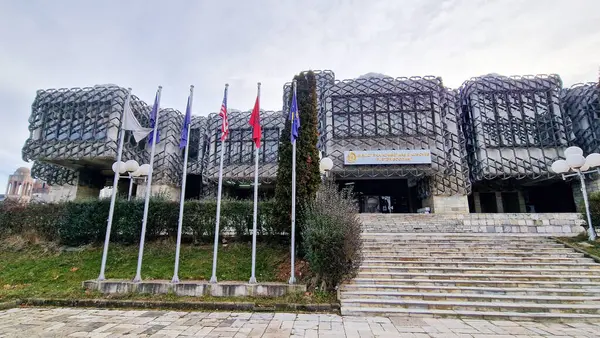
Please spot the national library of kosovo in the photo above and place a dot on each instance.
(404, 144)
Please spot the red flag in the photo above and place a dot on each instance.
(255, 123)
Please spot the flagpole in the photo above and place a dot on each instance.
(182, 198)
(254, 227)
(138, 273)
(113, 196)
(130, 187)
(293, 249)
(213, 278)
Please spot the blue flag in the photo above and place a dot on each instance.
(295, 118)
(187, 120)
(153, 114)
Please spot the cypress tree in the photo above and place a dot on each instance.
(307, 157)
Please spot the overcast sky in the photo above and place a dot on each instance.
(144, 43)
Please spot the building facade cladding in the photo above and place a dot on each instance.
(383, 113)
(197, 145)
(582, 104)
(75, 128)
(238, 163)
(514, 126)
(493, 127)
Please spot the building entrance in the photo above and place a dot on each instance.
(384, 195)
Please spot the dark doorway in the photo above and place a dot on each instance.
(488, 202)
(193, 187)
(510, 202)
(553, 197)
(383, 195)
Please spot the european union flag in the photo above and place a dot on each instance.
(187, 120)
(153, 114)
(295, 118)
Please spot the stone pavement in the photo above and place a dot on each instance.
(68, 322)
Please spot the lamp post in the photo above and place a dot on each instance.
(580, 165)
(133, 170)
(325, 166)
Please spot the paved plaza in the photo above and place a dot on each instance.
(68, 322)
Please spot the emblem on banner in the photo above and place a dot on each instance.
(351, 158)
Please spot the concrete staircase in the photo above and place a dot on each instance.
(476, 275)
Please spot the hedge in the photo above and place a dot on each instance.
(84, 222)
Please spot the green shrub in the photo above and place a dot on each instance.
(594, 201)
(331, 235)
(83, 222)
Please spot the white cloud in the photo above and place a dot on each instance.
(146, 43)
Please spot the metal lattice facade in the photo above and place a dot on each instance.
(382, 113)
(492, 128)
(74, 130)
(238, 163)
(582, 104)
(515, 127)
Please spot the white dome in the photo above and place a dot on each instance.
(373, 76)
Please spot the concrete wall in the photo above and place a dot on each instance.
(167, 191)
(455, 204)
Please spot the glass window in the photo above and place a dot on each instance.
(383, 124)
(241, 148)
(340, 125)
(369, 124)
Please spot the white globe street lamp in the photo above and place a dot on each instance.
(132, 166)
(325, 166)
(133, 170)
(119, 166)
(580, 166)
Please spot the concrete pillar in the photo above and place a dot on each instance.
(522, 206)
(499, 202)
(455, 204)
(85, 192)
(477, 202)
(169, 192)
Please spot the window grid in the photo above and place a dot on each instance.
(385, 115)
(239, 147)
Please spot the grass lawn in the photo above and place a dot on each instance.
(581, 241)
(39, 272)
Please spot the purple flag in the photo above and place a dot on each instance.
(153, 121)
(295, 118)
(187, 120)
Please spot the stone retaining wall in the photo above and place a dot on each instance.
(533, 223)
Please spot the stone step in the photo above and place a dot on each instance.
(463, 259)
(479, 276)
(475, 240)
(488, 249)
(583, 292)
(369, 244)
(475, 270)
(475, 283)
(407, 253)
(465, 297)
(376, 246)
(391, 233)
(471, 306)
(455, 237)
(490, 315)
(525, 276)
(480, 264)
